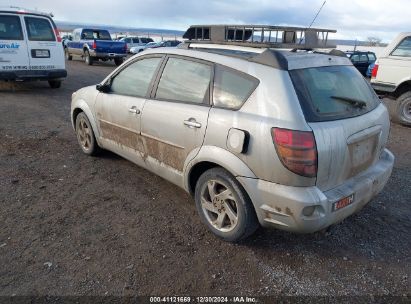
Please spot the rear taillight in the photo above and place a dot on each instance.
(374, 71)
(57, 33)
(297, 151)
(94, 45)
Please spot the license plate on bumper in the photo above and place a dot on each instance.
(346, 201)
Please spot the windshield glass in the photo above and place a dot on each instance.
(334, 92)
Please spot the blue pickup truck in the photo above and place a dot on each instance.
(95, 44)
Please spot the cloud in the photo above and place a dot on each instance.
(352, 19)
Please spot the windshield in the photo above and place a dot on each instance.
(334, 92)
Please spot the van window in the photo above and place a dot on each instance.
(184, 80)
(403, 49)
(135, 79)
(10, 28)
(232, 88)
(39, 29)
(333, 92)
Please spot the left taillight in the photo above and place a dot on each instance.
(94, 46)
(297, 150)
(57, 33)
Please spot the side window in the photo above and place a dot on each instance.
(363, 58)
(371, 56)
(135, 79)
(135, 40)
(10, 28)
(184, 80)
(39, 29)
(403, 49)
(355, 58)
(232, 88)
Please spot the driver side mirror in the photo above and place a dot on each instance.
(104, 88)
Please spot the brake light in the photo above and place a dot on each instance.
(57, 33)
(297, 151)
(374, 71)
(94, 46)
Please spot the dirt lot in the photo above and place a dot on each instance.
(77, 225)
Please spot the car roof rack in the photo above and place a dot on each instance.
(260, 36)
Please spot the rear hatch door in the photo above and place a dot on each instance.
(349, 122)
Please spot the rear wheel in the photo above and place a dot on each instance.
(55, 84)
(224, 206)
(88, 58)
(85, 135)
(403, 110)
(67, 54)
(118, 61)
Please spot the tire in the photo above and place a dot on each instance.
(88, 59)
(224, 206)
(54, 84)
(118, 61)
(67, 54)
(85, 135)
(402, 113)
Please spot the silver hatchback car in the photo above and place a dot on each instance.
(259, 136)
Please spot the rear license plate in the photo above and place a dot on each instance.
(346, 201)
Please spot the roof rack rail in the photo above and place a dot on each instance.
(262, 36)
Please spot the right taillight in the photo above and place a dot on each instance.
(297, 151)
(374, 71)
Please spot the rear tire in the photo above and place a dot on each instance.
(88, 59)
(85, 135)
(118, 61)
(224, 206)
(402, 113)
(67, 54)
(54, 84)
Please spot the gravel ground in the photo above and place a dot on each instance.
(77, 225)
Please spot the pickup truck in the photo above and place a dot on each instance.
(95, 44)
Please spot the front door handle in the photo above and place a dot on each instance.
(192, 123)
(134, 110)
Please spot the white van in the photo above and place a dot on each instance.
(30, 47)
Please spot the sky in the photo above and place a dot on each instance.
(353, 19)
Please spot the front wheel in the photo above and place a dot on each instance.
(55, 84)
(403, 110)
(118, 61)
(224, 206)
(88, 58)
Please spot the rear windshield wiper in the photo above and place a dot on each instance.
(354, 102)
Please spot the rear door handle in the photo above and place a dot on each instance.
(134, 110)
(192, 123)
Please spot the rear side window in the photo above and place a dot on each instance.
(334, 92)
(371, 56)
(403, 49)
(184, 80)
(10, 28)
(39, 29)
(232, 88)
(146, 40)
(135, 79)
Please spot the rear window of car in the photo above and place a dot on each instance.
(96, 34)
(146, 40)
(403, 49)
(232, 88)
(334, 92)
(39, 29)
(10, 28)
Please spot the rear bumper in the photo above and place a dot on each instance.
(106, 55)
(34, 75)
(282, 206)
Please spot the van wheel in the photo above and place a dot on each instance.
(403, 111)
(88, 58)
(85, 135)
(224, 206)
(118, 61)
(55, 84)
(67, 54)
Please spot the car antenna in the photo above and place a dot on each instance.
(312, 22)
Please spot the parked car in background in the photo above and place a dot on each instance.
(291, 140)
(167, 43)
(138, 49)
(95, 44)
(391, 76)
(361, 60)
(30, 47)
(135, 42)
